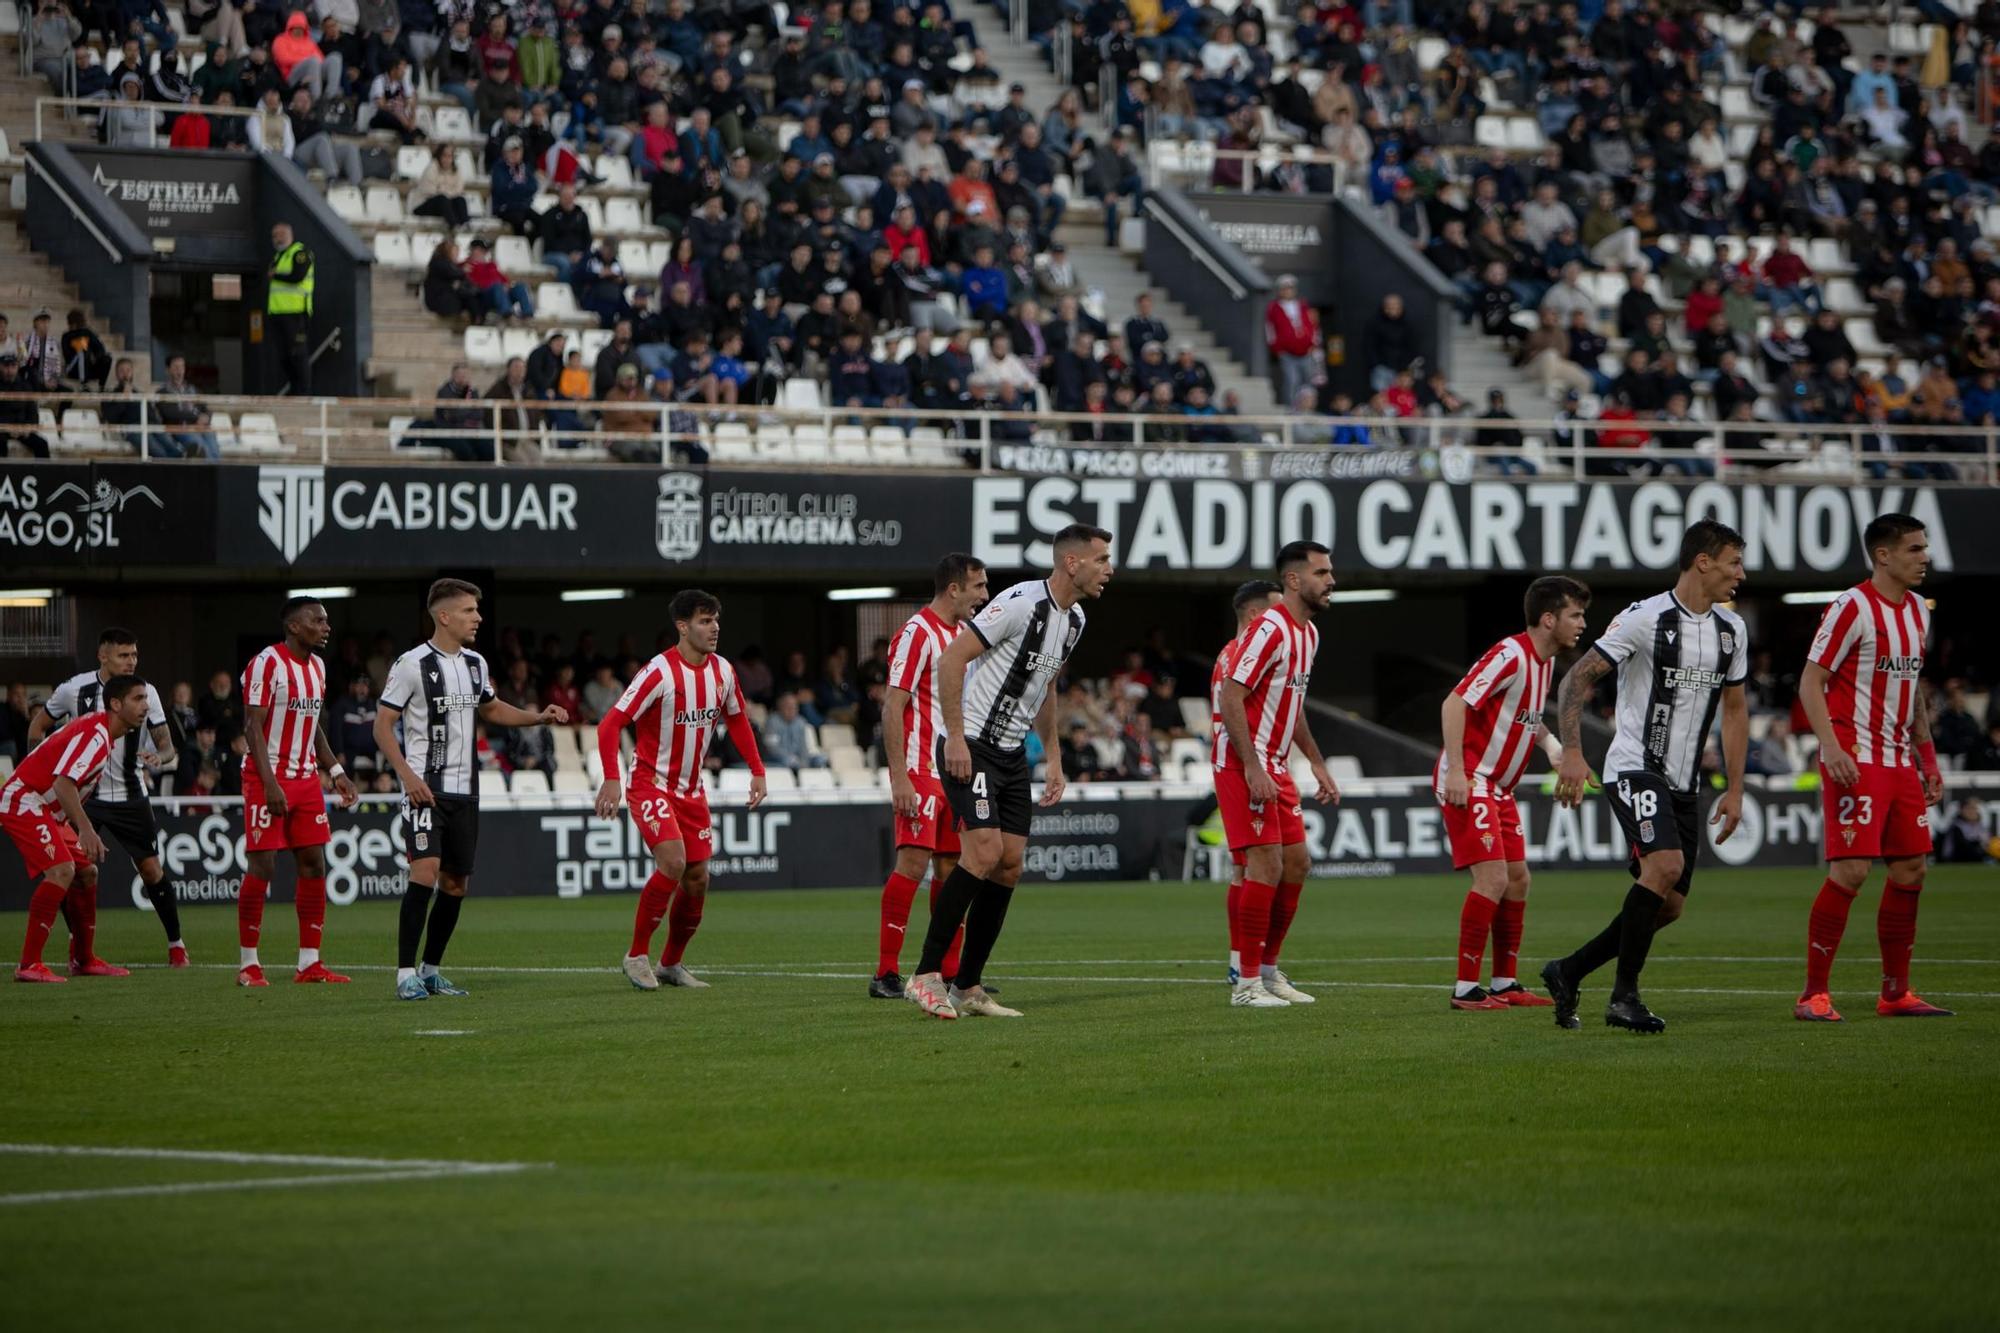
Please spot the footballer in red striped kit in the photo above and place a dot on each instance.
(1492, 720)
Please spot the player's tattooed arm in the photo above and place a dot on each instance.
(1920, 740)
(1573, 773)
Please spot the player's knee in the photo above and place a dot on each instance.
(86, 875)
(941, 868)
(695, 879)
(1850, 873)
(1517, 881)
(1295, 864)
(261, 864)
(150, 873)
(454, 885)
(62, 876)
(1670, 911)
(910, 862)
(1908, 874)
(671, 865)
(1661, 871)
(312, 862)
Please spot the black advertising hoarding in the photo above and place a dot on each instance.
(692, 520)
(106, 515)
(179, 193)
(568, 852)
(1282, 235)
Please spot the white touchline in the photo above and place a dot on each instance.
(353, 1170)
(444, 1032)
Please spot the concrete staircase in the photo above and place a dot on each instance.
(414, 350)
(1479, 363)
(1121, 277)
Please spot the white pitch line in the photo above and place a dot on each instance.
(444, 1032)
(262, 1183)
(354, 1170)
(250, 1158)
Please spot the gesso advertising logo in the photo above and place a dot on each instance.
(364, 859)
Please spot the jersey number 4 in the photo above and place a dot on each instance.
(979, 783)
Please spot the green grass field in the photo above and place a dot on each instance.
(782, 1152)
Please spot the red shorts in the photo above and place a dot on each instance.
(664, 818)
(1485, 828)
(304, 824)
(44, 841)
(1279, 823)
(935, 828)
(1882, 815)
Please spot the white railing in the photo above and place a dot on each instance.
(560, 431)
(100, 105)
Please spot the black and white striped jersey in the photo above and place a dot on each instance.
(439, 695)
(124, 775)
(1028, 638)
(1672, 668)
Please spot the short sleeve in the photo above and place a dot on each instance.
(1837, 634)
(1625, 635)
(156, 713)
(402, 685)
(84, 756)
(1737, 670)
(907, 658)
(257, 683)
(1488, 674)
(732, 693)
(61, 705)
(1005, 617)
(645, 690)
(485, 680)
(1262, 652)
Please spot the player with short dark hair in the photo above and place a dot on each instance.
(1491, 721)
(912, 722)
(1863, 694)
(994, 684)
(284, 693)
(121, 808)
(1263, 714)
(42, 810)
(1249, 602)
(1678, 656)
(440, 690)
(674, 705)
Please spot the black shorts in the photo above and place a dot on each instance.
(447, 830)
(130, 824)
(998, 795)
(1656, 818)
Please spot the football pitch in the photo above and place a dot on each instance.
(782, 1152)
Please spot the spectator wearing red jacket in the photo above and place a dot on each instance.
(1291, 331)
(502, 297)
(1789, 279)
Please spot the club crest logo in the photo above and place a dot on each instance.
(677, 517)
(1847, 834)
(1486, 841)
(422, 841)
(1728, 641)
(1645, 830)
(1257, 826)
(982, 809)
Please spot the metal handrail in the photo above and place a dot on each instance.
(103, 104)
(355, 430)
(76, 209)
(1195, 248)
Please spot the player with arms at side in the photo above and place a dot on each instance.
(1263, 713)
(674, 705)
(284, 693)
(121, 808)
(1491, 721)
(1861, 692)
(1250, 602)
(42, 810)
(994, 683)
(440, 690)
(1678, 654)
(912, 722)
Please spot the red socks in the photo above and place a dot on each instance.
(897, 895)
(653, 900)
(1475, 920)
(683, 920)
(1253, 915)
(1507, 917)
(310, 902)
(42, 911)
(1284, 906)
(1896, 928)
(250, 910)
(79, 910)
(1823, 931)
(949, 967)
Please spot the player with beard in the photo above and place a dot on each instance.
(1250, 602)
(1263, 715)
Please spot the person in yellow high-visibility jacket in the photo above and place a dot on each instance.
(288, 304)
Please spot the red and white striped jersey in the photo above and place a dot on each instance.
(1224, 660)
(1874, 650)
(1274, 662)
(1504, 695)
(913, 664)
(675, 709)
(294, 690)
(78, 751)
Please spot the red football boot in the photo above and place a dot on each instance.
(1518, 996)
(251, 975)
(37, 972)
(317, 973)
(177, 956)
(97, 967)
(1478, 998)
(1816, 1009)
(1909, 1005)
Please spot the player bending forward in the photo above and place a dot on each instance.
(1678, 656)
(284, 693)
(1862, 695)
(1491, 721)
(912, 723)
(674, 705)
(995, 685)
(42, 810)
(1250, 602)
(437, 690)
(121, 807)
(1263, 707)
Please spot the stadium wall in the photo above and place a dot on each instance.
(558, 848)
